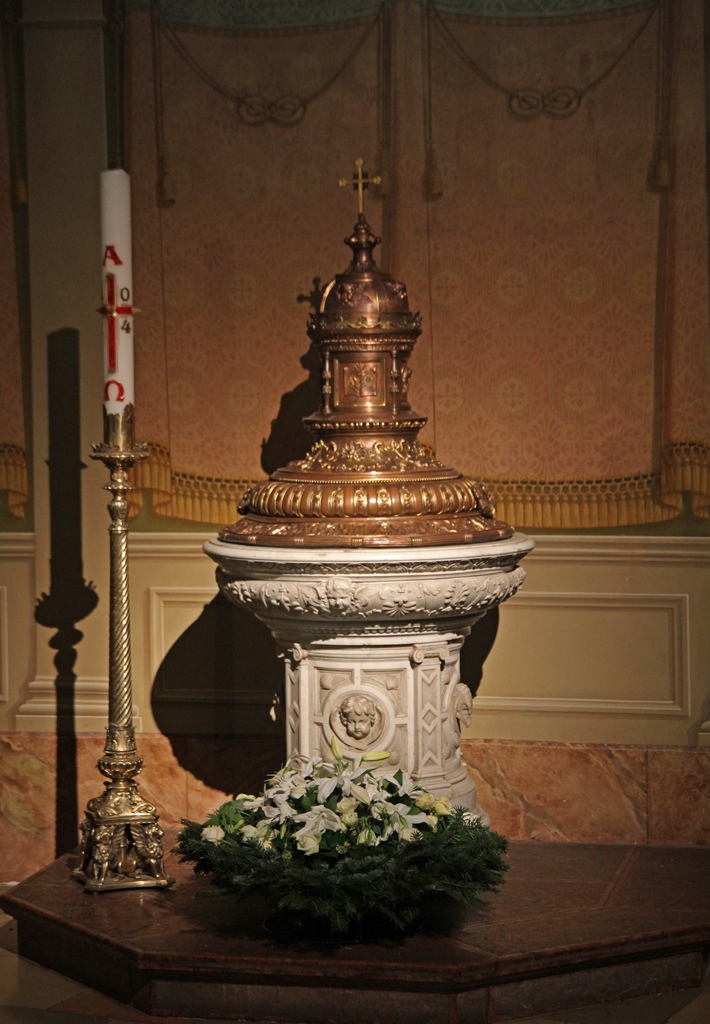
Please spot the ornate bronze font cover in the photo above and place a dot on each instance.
(367, 481)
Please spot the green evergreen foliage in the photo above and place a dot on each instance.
(334, 845)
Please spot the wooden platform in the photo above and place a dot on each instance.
(574, 924)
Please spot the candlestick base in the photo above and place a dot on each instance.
(121, 839)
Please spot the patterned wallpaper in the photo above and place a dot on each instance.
(545, 205)
(556, 270)
(13, 460)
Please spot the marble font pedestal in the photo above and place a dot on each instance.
(371, 640)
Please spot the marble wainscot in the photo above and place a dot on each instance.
(371, 640)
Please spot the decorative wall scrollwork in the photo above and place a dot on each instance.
(257, 110)
(529, 102)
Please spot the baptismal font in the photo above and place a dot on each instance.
(370, 560)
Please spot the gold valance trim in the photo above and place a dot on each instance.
(526, 503)
(13, 477)
(194, 497)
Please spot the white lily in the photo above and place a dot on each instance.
(407, 787)
(319, 819)
(407, 816)
(253, 803)
(279, 809)
(347, 781)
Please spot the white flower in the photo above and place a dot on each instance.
(406, 816)
(308, 764)
(443, 806)
(263, 833)
(469, 817)
(380, 810)
(407, 787)
(347, 781)
(348, 803)
(349, 817)
(373, 788)
(326, 787)
(362, 794)
(319, 819)
(425, 801)
(289, 785)
(368, 838)
(253, 803)
(278, 808)
(307, 843)
(409, 834)
(213, 834)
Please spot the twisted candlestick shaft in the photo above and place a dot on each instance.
(120, 696)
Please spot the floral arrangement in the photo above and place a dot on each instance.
(334, 842)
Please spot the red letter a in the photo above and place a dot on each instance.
(111, 254)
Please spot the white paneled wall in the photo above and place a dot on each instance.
(606, 643)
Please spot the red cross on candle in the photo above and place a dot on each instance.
(110, 310)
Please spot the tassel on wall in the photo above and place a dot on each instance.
(11, 48)
(386, 140)
(19, 191)
(659, 170)
(432, 181)
(165, 193)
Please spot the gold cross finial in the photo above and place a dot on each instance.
(360, 181)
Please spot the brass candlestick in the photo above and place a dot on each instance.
(121, 838)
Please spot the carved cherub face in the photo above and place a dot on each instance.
(357, 725)
(358, 716)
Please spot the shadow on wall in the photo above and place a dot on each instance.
(70, 598)
(289, 439)
(477, 648)
(213, 697)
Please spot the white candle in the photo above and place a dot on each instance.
(117, 309)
